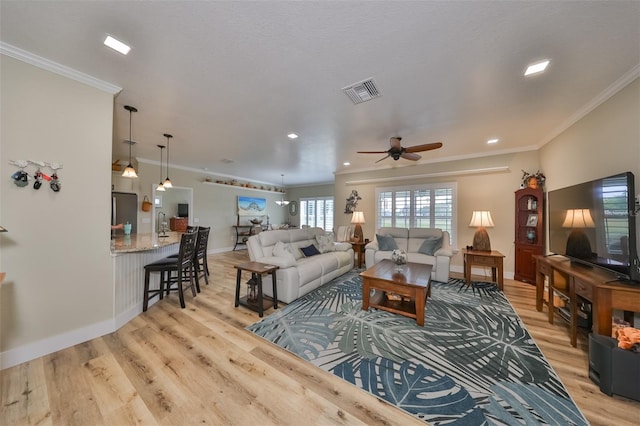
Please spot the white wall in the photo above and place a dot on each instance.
(56, 253)
(603, 143)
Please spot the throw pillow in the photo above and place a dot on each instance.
(430, 245)
(283, 250)
(386, 242)
(325, 243)
(296, 252)
(310, 251)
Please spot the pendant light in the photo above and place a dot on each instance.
(167, 181)
(282, 202)
(129, 171)
(160, 185)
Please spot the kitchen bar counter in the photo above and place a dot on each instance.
(143, 242)
(129, 256)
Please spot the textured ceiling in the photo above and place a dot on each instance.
(231, 79)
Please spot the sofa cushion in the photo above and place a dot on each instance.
(325, 243)
(386, 242)
(282, 262)
(284, 250)
(272, 237)
(430, 245)
(310, 250)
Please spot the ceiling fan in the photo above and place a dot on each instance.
(396, 151)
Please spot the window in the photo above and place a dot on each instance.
(616, 224)
(317, 212)
(419, 206)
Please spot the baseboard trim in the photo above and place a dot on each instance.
(480, 271)
(52, 344)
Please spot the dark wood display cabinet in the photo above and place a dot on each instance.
(529, 233)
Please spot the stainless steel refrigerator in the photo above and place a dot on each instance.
(124, 208)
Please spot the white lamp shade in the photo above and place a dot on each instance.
(129, 172)
(357, 217)
(481, 218)
(578, 218)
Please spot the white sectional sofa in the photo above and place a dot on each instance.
(411, 240)
(298, 274)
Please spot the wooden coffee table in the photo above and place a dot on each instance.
(413, 282)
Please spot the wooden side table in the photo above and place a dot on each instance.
(358, 248)
(493, 259)
(257, 270)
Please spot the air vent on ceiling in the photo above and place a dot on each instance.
(362, 91)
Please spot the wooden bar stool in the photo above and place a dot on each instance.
(182, 266)
(200, 259)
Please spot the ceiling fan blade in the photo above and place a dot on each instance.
(410, 156)
(387, 156)
(372, 152)
(424, 147)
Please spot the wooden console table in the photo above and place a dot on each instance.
(243, 232)
(592, 284)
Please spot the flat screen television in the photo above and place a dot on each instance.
(183, 210)
(594, 223)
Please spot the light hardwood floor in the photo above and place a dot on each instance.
(198, 365)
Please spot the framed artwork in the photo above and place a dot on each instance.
(532, 220)
(251, 206)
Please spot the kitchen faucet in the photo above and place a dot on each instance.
(162, 225)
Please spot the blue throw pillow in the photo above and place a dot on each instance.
(310, 251)
(386, 242)
(430, 245)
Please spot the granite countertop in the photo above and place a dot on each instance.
(143, 242)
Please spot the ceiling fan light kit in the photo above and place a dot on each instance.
(397, 151)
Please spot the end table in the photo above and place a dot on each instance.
(492, 259)
(358, 248)
(257, 270)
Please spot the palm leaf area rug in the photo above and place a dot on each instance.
(473, 363)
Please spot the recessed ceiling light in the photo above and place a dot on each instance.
(116, 45)
(493, 141)
(346, 163)
(292, 136)
(537, 67)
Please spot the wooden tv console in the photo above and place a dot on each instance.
(595, 285)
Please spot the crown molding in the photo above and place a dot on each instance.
(54, 67)
(499, 169)
(601, 98)
(206, 172)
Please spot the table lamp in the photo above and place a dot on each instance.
(481, 219)
(358, 218)
(578, 244)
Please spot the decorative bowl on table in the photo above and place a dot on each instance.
(256, 221)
